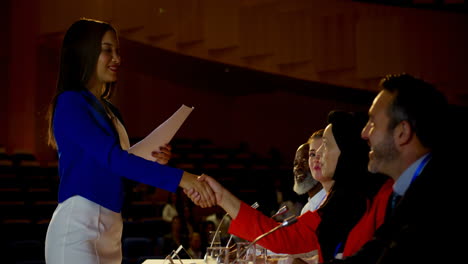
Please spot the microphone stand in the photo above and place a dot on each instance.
(175, 253)
(280, 211)
(288, 221)
(254, 206)
(217, 229)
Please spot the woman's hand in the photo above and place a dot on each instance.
(224, 198)
(200, 192)
(163, 155)
(217, 188)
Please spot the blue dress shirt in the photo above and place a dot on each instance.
(407, 177)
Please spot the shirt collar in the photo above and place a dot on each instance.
(405, 179)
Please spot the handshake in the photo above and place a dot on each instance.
(200, 189)
(203, 190)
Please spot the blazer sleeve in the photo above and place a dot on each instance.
(76, 127)
(294, 239)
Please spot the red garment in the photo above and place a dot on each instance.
(300, 237)
(374, 217)
(294, 239)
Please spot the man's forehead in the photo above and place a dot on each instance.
(381, 102)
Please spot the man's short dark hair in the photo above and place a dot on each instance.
(419, 103)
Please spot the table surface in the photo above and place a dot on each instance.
(176, 261)
(281, 260)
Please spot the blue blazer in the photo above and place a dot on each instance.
(92, 163)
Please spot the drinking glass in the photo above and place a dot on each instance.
(214, 239)
(260, 255)
(246, 254)
(217, 255)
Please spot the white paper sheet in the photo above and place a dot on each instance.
(163, 134)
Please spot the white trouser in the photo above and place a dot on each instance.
(82, 231)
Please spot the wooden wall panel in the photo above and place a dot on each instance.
(378, 44)
(56, 15)
(307, 39)
(5, 57)
(189, 21)
(338, 38)
(221, 24)
(21, 104)
(436, 47)
(424, 1)
(129, 16)
(161, 20)
(97, 9)
(258, 30)
(297, 39)
(339, 42)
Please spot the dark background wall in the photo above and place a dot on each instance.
(350, 45)
(232, 105)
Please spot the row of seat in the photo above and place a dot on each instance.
(24, 242)
(28, 197)
(37, 212)
(40, 211)
(197, 152)
(135, 250)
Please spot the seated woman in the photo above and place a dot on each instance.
(354, 208)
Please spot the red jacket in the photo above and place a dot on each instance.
(300, 237)
(364, 230)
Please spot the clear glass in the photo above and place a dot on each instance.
(246, 254)
(260, 255)
(217, 255)
(216, 242)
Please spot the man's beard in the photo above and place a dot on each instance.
(304, 186)
(383, 153)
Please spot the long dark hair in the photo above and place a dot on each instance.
(354, 185)
(81, 47)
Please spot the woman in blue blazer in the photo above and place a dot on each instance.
(91, 141)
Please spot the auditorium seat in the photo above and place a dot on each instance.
(9, 180)
(12, 195)
(25, 250)
(15, 211)
(136, 247)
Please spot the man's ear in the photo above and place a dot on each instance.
(402, 133)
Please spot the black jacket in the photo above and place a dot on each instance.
(427, 225)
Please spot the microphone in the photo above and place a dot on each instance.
(174, 254)
(287, 222)
(176, 251)
(281, 211)
(254, 206)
